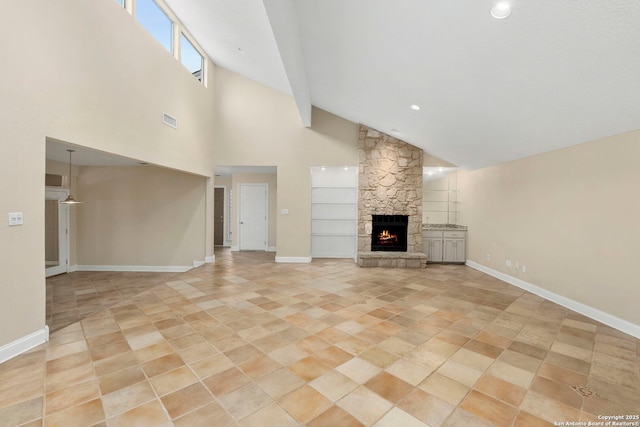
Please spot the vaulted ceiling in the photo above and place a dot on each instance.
(553, 74)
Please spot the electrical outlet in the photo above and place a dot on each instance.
(15, 218)
(488, 257)
(517, 265)
(524, 268)
(508, 263)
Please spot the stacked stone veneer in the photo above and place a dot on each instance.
(389, 183)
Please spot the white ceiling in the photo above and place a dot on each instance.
(554, 74)
(83, 156)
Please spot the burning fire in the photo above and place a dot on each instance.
(387, 238)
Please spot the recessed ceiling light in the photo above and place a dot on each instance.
(415, 107)
(501, 10)
(242, 51)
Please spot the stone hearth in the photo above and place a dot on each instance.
(389, 183)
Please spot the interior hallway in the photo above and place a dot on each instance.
(246, 341)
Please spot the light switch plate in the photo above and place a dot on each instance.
(15, 218)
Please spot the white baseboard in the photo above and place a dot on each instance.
(197, 263)
(19, 346)
(209, 259)
(235, 249)
(294, 259)
(595, 314)
(72, 268)
(138, 268)
(271, 249)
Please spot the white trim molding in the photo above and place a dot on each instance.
(294, 259)
(595, 314)
(138, 268)
(197, 263)
(21, 345)
(271, 249)
(209, 259)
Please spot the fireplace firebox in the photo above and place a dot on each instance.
(389, 233)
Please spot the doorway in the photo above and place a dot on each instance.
(56, 225)
(218, 216)
(252, 221)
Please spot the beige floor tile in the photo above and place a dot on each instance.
(149, 414)
(186, 399)
(71, 396)
(272, 415)
(305, 403)
(211, 365)
(22, 412)
(359, 370)
(461, 373)
(379, 357)
(11, 394)
(365, 405)
(398, 417)
(209, 415)
(511, 374)
(260, 366)
(127, 398)
(389, 386)
(278, 383)
(334, 385)
(288, 354)
(308, 368)
(171, 381)
(226, 381)
(487, 408)
(86, 414)
(245, 401)
(426, 407)
(410, 372)
(121, 379)
(334, 416)
(547, 408)
(500, 390)
(445, 388)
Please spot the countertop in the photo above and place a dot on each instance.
(444, 227)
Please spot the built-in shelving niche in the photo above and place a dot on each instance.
(334, 212)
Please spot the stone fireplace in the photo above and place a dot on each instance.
(389, 183)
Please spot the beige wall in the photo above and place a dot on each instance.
(571, 216)
(140, 216)
(256, 125)
(271, 181)
(86, 73)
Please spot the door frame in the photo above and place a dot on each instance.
(266, 211)
(63, 231)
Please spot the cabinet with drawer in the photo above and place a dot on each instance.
(445, 246)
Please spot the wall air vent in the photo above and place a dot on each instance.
(169, 121)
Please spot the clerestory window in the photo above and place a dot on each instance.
(153, 18)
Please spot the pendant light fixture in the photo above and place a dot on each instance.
(70, 200)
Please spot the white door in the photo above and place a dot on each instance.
(252, 219)
(55, 230)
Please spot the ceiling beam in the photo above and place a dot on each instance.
(284, 24)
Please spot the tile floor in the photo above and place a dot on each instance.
(247, 342)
